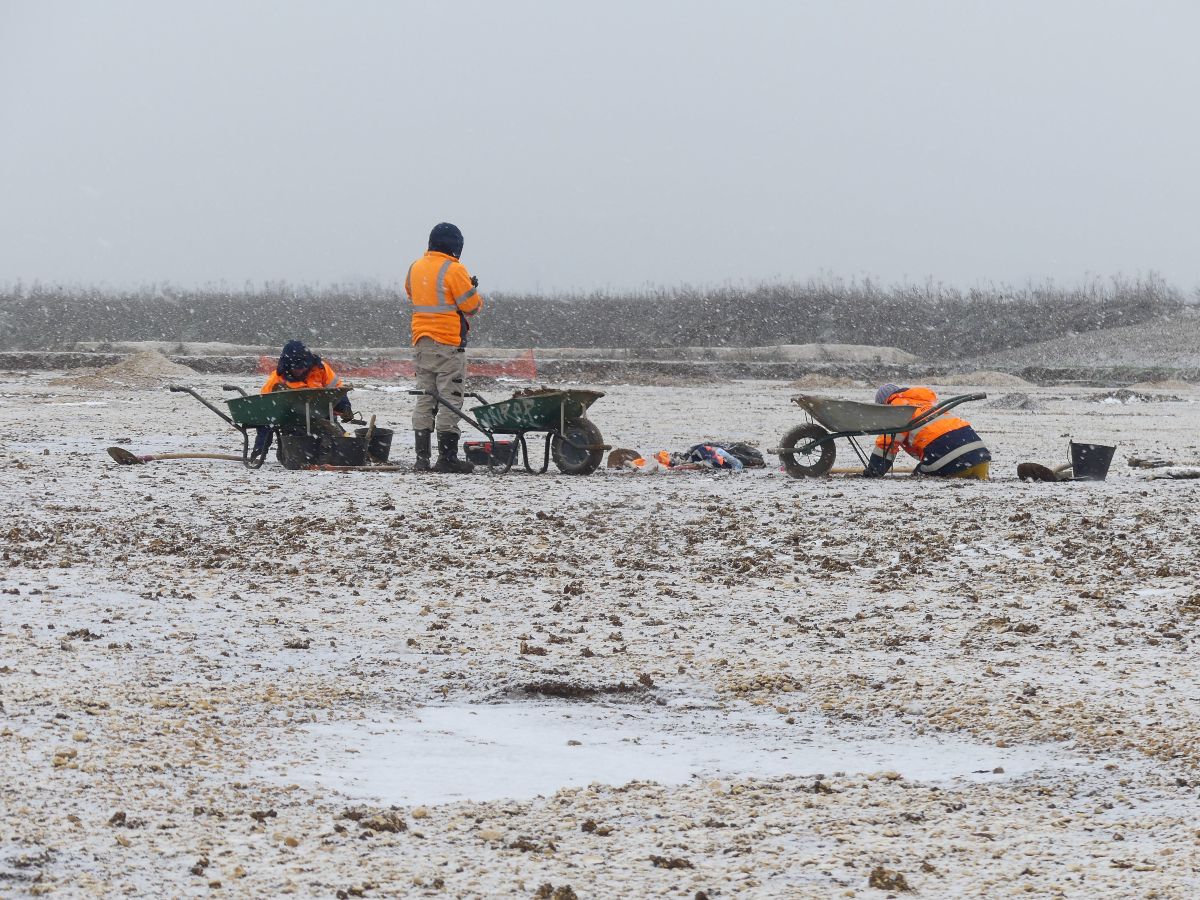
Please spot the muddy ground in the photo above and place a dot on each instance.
(223, 682)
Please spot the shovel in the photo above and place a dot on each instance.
(125, 458)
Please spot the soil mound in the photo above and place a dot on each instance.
(986, 378)
(1014, 401)
(141, 371)
(1126, 395)
(1161, 343)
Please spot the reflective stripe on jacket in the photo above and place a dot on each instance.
(944, 446)
(317, 377)
(441, 292)
(953, 452)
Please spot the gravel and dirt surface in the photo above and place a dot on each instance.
(217, 682)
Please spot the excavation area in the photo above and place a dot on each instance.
(683, 684)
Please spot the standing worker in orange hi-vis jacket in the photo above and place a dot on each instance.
(443, 295)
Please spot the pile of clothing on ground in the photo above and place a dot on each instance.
(731, 456)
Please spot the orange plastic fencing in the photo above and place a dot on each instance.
(523, 367)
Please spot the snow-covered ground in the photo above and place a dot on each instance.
(256, 683)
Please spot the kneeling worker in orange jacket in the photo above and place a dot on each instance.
(947, 446)
(443, 295)
(298, 368)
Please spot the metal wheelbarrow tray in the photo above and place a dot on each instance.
(808, 451)
(284, 408)
(535, 411)
(573, 441)
(280, 409)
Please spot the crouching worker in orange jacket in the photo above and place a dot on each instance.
(947, 447)
(298, 368)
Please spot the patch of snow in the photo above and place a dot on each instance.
(485, 752)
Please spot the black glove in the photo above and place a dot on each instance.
(474, 281)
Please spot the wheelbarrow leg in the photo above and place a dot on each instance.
(525, 453)
(524, 447)
(251, 459)
(858, 451)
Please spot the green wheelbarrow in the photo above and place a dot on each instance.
(310, 409)
(573, 441)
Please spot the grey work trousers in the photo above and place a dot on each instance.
(440, 368)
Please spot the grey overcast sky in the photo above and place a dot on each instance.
(599, 145)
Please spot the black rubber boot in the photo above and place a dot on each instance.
(423, 451)
(448, 461)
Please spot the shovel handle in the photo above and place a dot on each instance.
(852, 471)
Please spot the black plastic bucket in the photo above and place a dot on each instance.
(381, 443)
(1090, 462)
(299, 450)
(344, 451)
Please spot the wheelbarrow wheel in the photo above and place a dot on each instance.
(574, 460)
(812, 464)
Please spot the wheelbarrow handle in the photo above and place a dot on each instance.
(435, 395)
(940, 408)
(178, 388)
(234, 387)
(441, 401)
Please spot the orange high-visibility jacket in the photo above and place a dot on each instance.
(441, 292)
(915, 442)
(317, 377)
